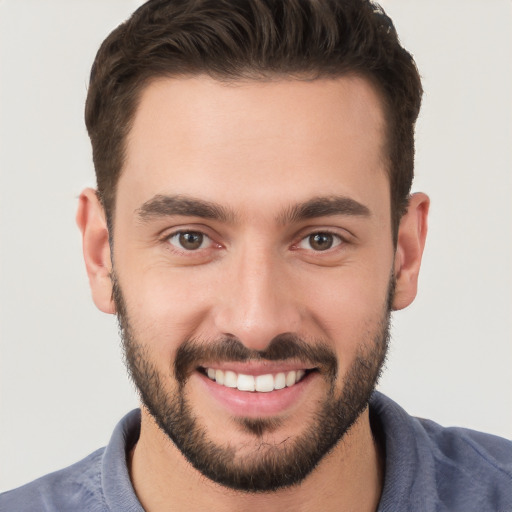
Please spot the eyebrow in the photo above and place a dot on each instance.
(167, 206)
(324, 206)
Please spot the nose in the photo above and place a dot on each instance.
(257, 300)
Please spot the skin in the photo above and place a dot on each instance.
(257, 149)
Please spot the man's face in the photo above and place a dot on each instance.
(253, 266)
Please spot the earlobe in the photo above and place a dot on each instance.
(411, 242)
(92, 223)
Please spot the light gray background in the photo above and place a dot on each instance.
(62, 383)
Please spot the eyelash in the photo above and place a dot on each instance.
(337, 241)
(175, 234)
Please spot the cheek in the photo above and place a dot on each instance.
(350, 308)
(165, 306)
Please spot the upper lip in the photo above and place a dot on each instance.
(258, 367)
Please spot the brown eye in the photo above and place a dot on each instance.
(320, 241)
(189, 240)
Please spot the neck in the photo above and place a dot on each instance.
(350, 477)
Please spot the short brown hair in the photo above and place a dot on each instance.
(255, 39)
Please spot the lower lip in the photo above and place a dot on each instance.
(256, 404)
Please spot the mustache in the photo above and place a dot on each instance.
(286, 346)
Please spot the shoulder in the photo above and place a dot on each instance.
(77, 487)
(457, 443)
(461, 453)
(471, 468)
(98, 483)
(442, 468)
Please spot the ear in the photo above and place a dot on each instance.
(91, 220)
(411, 242)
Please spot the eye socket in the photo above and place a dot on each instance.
(321, 241)
(190, 240)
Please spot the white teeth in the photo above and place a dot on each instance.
(230, 379)
(265, 383)
(280, 381)
(261, 383)
(219, 376)
(245, 382)
(291, 378)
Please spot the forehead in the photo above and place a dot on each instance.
(266, 142)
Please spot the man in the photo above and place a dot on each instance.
(252, 229)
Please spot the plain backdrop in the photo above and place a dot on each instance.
(62, 382)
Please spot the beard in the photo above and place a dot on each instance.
(271, 466)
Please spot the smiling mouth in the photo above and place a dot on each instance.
(255, 383)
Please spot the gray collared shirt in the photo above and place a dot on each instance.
(428, 468)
